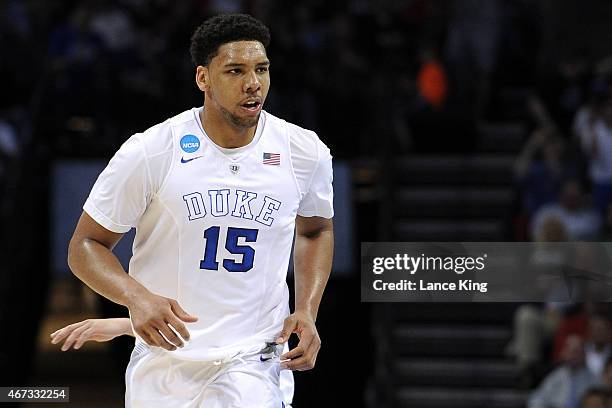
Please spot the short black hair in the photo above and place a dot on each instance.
(222, 29)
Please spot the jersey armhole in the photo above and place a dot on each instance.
(146, 162)
(170, 166)
(295, 181)
(314, 170)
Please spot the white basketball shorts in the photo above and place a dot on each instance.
(156, 379)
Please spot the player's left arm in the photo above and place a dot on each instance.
(312, 255)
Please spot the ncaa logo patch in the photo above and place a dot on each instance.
(190, 143)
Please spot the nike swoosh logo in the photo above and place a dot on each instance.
(188, 160)
(261, 358)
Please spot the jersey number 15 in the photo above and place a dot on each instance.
(231, 244)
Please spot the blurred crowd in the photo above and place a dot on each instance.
(563, 174)
(564, 170)
(579, 372)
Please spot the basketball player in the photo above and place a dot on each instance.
(215, 195)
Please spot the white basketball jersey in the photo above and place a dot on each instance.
(214, 226)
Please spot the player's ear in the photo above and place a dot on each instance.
(202, 78)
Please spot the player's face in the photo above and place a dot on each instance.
(238, 80)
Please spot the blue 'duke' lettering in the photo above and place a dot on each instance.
(247, 205)
(231, 244)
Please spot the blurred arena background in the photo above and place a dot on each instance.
(464, 120)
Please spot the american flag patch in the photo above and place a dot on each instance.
(271, 158)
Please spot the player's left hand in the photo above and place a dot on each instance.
(304, 356)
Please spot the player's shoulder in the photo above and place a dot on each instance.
(159, 138)
(289, 129)
(303, 142)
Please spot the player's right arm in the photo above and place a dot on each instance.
(91, 259)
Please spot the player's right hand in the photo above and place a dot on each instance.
(159, 321)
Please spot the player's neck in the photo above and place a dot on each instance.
(223, 133)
